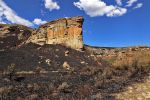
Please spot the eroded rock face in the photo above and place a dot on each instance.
(65, 31)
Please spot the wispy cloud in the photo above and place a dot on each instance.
(99, 8)
(139, 5)
(51, 5)
(8, 14)
(131, 2)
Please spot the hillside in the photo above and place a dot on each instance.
(31, 69)
(13, 35)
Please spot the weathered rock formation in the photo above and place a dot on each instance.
(65, 31)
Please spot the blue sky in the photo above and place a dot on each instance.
(113, 23)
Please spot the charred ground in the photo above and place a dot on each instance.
(53, 72)
(38, 73)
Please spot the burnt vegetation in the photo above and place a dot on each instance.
(37, 72)
(55, 72)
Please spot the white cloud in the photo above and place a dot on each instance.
(51, 5)
(99, 8)
(139, 5)
(131, 2)
(8, 14)
(38, 21)
(117, 12)
(119, 2)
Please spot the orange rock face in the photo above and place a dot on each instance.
(66, 31)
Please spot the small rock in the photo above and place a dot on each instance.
(82, 62)
(66, 65)
(40, 62)
(63, 86)
(38, 48)
(48, 61)
(92, 55)
(66, 53)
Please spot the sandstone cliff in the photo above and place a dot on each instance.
(65, 31)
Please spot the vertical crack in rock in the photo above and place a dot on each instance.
(65, 31)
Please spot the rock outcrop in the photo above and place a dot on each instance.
(13, 35)
(65, 31)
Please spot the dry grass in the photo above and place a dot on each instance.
(135, 60)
